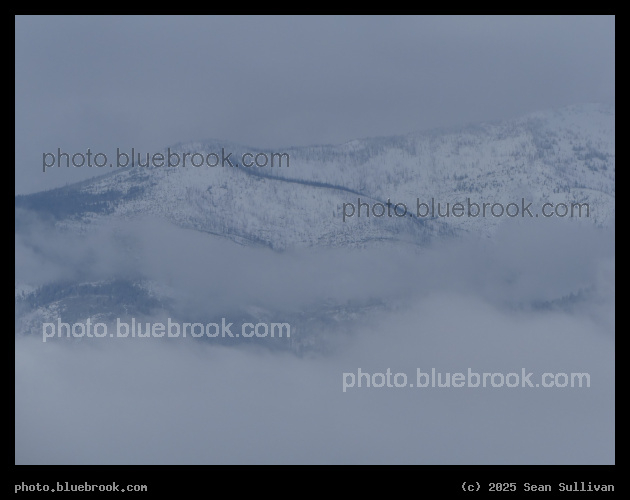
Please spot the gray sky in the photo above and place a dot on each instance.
(149, 82)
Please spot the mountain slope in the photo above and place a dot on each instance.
(562, 156)
(100, 256)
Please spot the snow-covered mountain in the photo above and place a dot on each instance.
(559, 156)
(562, 156)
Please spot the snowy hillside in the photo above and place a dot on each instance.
(562, 156)
(257, 214)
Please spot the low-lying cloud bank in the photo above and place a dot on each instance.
(499, 305)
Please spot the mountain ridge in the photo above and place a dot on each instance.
(563, 156)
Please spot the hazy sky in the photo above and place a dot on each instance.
(149, 82)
